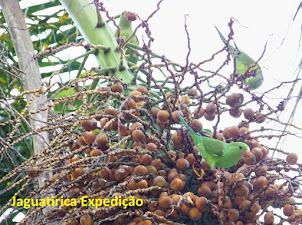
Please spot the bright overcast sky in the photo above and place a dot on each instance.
(259, 22)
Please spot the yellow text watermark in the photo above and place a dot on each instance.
(84, 201)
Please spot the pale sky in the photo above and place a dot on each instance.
(258, 22)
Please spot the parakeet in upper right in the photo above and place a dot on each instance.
(243, 61)
(126, 31)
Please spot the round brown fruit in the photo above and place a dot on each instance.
(138, 135)
(292, 158)
(85, 220)
(248, 114)
(235, 112)
(198, 112)
(235, 99)
(109, 110)
(250, 158)
(288, 210)
(163, 115)
(271, 191)
(244, 132)
(177, 184)
(95, 152)
(154, 112)
(88, 137)
(201, 203)
(176, 138)
(142, 89)
(145, 159)
(137, 126)
(32, 171)
(157, 164)
(124, 131)
(159, 181)
(159, 212)
(196, 125)
(233, 215)
(185, 209)
(89, 124)
(257, 152)
(269, 218)
(81, 141)
(175, 116)
(209, 117)
(185, 99)
(151, 147)
(140, 170)
(182, 164)
(211, 108)
(244, 204)
(192, 92)
(105, 173)
(117, 87)
(195, 214)
(120, 174)
(136, 94)
(130, 104)
(260, 118)
(204, 190)
(191, 158)
(164, 202)
(241, 191)
(253, 143)
(102, 141)
(145, 222)
(259, 183)
(142, 184)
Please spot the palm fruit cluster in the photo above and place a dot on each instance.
(136, 149)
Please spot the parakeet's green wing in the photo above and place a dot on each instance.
(243, 61)
(209, 146)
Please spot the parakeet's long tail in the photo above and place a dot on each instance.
(232, 49)
(191, 131)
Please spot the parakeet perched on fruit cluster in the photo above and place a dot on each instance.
(217, 153)
(126, 31)
(243, 61)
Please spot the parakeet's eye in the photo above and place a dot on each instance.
(240, 147)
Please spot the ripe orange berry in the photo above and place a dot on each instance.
(117, 87)
(163, 115)
(32, 171)
(195, 214)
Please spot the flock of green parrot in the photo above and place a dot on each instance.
(243, 61)
(216, 153)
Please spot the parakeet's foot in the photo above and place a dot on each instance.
(199, 175)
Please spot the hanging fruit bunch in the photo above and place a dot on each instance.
(121, 155)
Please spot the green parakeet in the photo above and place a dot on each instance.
(243, 61)
(217, 153)
(126, 31)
